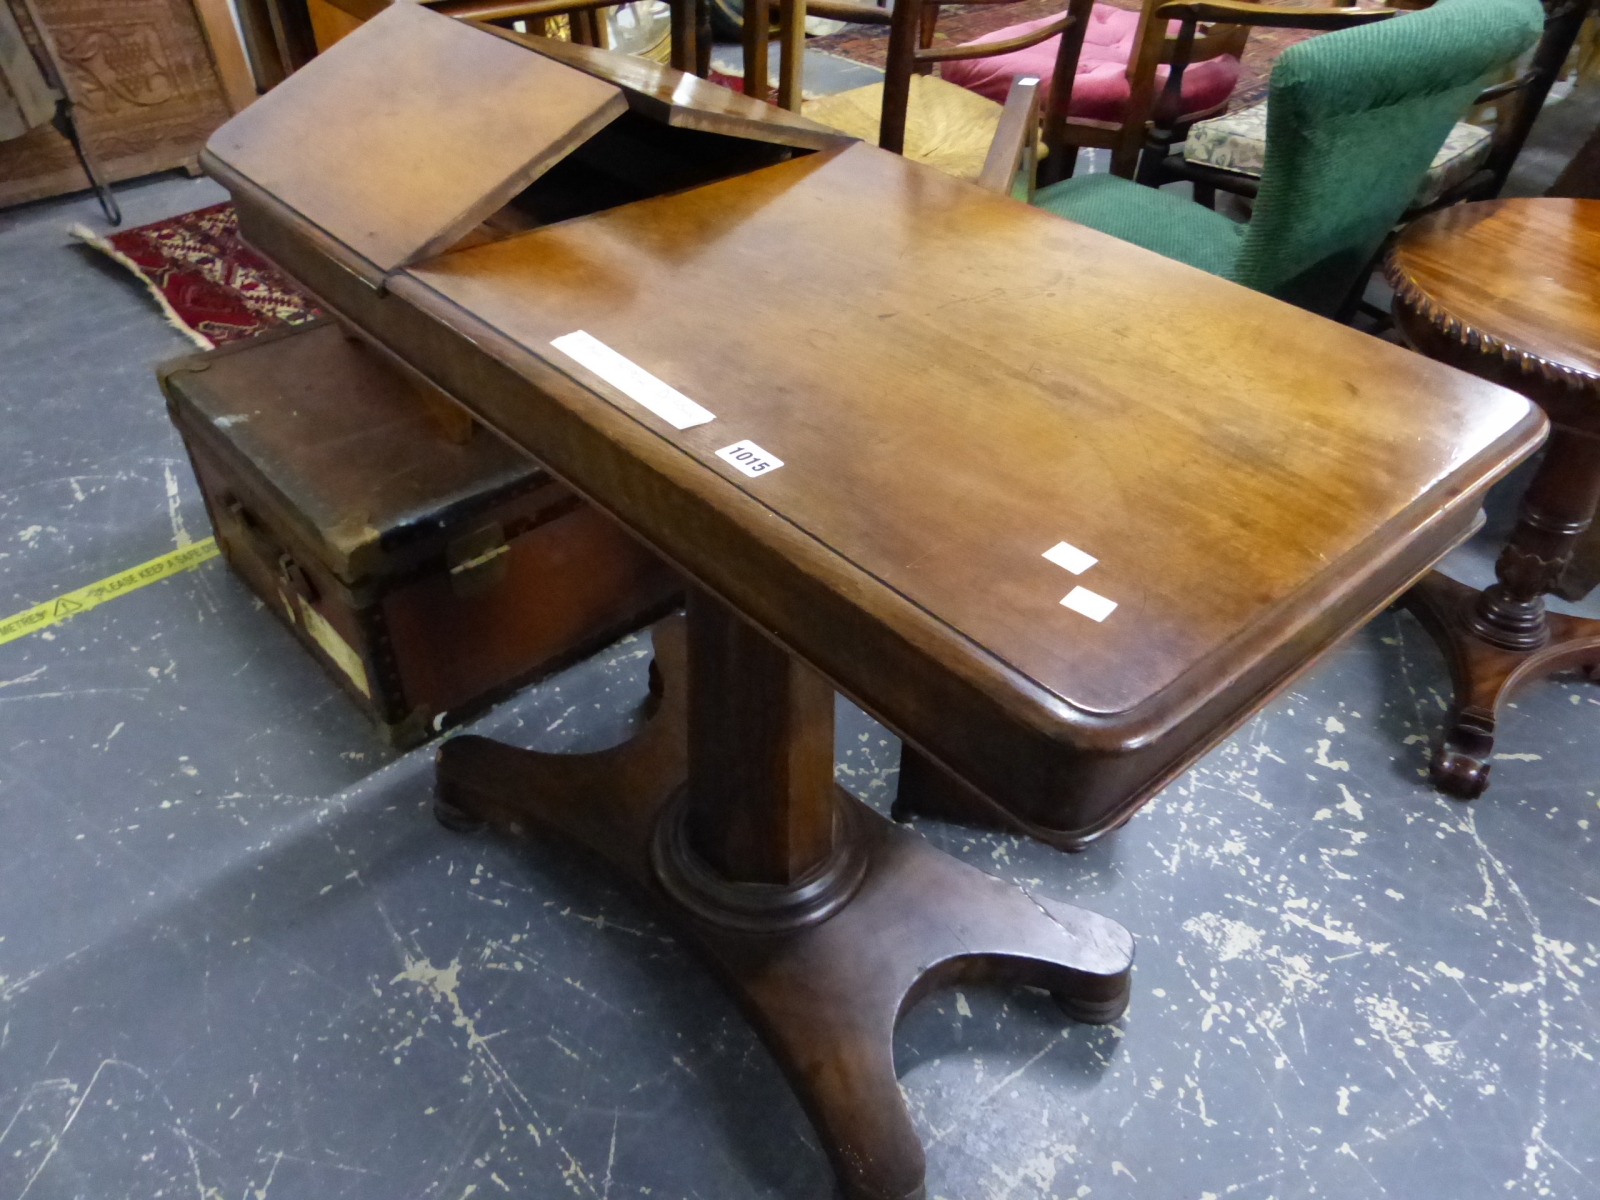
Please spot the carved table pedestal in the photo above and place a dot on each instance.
(824, 920)
(1505, 289)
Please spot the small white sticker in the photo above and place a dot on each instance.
(1065, 554)
(749, 458)
(1091, 604)
(629, 378)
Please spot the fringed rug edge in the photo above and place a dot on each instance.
(89, 237)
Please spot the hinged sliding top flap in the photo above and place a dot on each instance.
(672, 97)
(412, 130)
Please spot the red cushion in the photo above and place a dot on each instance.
(1100, 91)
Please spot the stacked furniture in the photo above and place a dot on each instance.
(1126, 59)
(913, 111)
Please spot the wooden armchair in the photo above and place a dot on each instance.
(1155, 46)
(1227, 154)
(1110, 98)
(912, 112)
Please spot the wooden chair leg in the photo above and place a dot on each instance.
(792, 36)
(1061, 156)
(702, 37)
(682, 57)
(582, 25)
(925, 29)
(1125, 156)
(901, 65)
(1016, 140)
(757, 33)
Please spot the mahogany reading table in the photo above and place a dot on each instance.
(1060, 512)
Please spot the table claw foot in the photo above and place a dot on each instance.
(826, 998)
(1485, 675)
(603, 800)
(455, 818)
(1093, 999)
(1460, 767)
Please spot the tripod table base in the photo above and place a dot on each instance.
(824, 996)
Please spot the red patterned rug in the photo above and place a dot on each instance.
(211, 285)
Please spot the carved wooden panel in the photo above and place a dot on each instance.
(147, 90)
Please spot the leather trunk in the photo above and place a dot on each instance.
(430, 567)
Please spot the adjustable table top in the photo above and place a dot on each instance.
(955, 384)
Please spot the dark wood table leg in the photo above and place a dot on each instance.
(1503, 637)
(822, 918)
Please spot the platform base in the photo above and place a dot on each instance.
(825, 996)
(1485, 675)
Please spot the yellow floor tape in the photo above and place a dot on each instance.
(70, 604)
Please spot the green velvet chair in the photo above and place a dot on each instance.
(1354, 120)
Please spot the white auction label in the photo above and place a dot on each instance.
(1065, 554)
(629, 378)
(1091, 604)
(749, 458)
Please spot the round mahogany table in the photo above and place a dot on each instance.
(1510, 291)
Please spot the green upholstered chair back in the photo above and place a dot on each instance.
(1354, 119)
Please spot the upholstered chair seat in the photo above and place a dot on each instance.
(947, 127)
(1238, 142)
(1100, 88)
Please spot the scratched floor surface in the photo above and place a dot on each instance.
(238, 960)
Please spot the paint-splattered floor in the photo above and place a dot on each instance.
(238, 960)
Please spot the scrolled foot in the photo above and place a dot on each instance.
(1459, 774)
(456, 820)
(655, 693)
(1093, 1012)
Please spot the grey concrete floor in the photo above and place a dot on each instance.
(238, 960)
